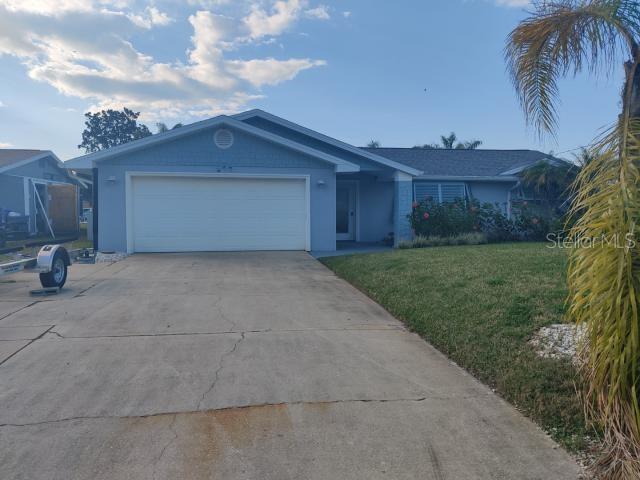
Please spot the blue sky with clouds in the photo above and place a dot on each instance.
(353, 69)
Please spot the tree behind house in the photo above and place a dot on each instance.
(450, 142)
(110, 128)
(161, 127)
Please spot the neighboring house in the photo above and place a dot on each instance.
(36, 185)
(254, 181)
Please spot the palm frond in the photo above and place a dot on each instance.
(604, 284)
(564, 37)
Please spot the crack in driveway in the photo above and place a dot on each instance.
(242, 407)
(169, 443)
(219, 369)
(375, 328)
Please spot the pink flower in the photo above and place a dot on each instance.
(415, 204)
(534, 221)
(425, 216)
(525, 203)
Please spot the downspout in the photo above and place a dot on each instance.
(517, 185)
(95, 209)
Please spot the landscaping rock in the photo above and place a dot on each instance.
(110, 257)
(559, 340)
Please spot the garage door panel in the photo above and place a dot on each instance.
(197, 214)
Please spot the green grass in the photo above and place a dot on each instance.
(480, 305)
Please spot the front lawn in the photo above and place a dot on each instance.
(480, 305)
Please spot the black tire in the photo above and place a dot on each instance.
(58, 274)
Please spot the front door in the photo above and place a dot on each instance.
(345, 211)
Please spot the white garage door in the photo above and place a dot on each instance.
(182, 214)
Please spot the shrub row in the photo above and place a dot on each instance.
(451, 220)
(436, 241)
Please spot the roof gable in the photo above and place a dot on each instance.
(320, 141)
(86, 161)
(14, 158)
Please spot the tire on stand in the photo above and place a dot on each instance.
(58, 274)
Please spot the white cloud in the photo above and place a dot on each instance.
(321, 12)
(2, 104)
(47, 7)
(513, 3)
(150, 18)
(85, 50)
(270, 71)
(346, 14)
(5, 145)
(281, 16)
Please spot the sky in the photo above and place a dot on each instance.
(401, 72)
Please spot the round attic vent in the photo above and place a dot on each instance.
(223, 138)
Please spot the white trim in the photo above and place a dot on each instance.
(87, 161)
(467, 178)
(42, 181)
(331, 141)
(26, 191)
(44, 210)
(515, 171)
(129, 195)
(402, 177)
(357, 210)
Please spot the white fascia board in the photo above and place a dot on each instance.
(331, 141)
(515, 171)
(88, 161)
(466, 178)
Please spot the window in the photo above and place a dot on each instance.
(440, 192)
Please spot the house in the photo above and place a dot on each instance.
(255, 181)
(489, 176)
(38, 195)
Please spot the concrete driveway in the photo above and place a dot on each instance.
(240, 366)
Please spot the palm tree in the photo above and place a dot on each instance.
(564, 37)
(450, 142)
(583, 157)
(374, 144)
(551, 184)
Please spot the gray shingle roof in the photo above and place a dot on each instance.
(472, 163)
(9, 156)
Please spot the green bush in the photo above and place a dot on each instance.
(431, 219)
(436, 241)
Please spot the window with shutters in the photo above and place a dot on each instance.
(440, 192)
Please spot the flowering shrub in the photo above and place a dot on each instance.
(430, 218)
(433, 219)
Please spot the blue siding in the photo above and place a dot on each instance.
(45, 169)
(375, 209)
(198, 154)
(491, 192)
(402, 200)
(287, 133)
(12, 193)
